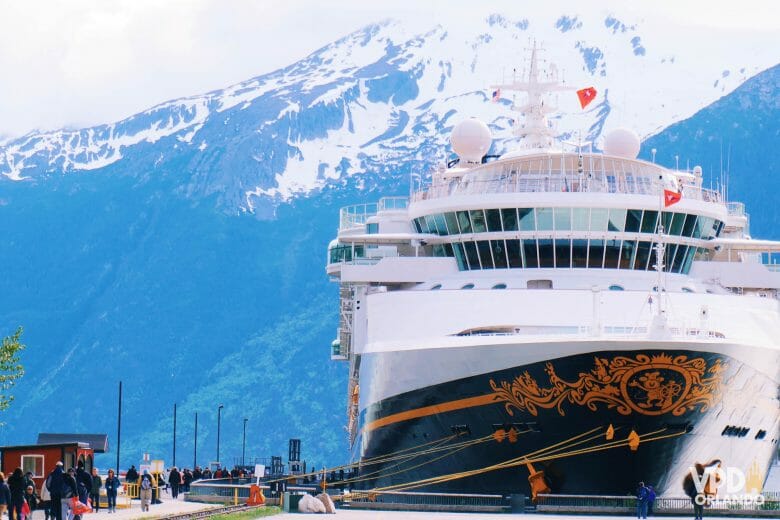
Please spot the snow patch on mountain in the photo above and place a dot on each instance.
(383, 100)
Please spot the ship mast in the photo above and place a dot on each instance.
(531, 124)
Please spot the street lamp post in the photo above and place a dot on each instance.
(174, 434)
(219, 426)
(243, 443)
(195, 455)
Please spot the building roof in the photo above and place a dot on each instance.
(97, 441)
(46, 445)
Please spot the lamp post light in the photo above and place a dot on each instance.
(219, 426)
(243, 443)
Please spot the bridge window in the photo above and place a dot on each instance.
(690, 223)
(530, 254)
(596, 254)
(562, 253)
(611, 254)
(527, 219)
(509, 217)
(617, 219)
(650, 222)
(499, 286)
(513, 253)
(544, 219)
(464, 221)
(483, 246)
(471, 255)
(452, 223)
(599, 218)
(562, 219)
(546, 253)
(468, 286)
(633, 220)
(499, 253)
(677, 224)
(581, 219)
(477, 221)
(579, 253)
(436, 287)
(616, 288)
(493, 217)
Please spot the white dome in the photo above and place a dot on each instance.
(471, 139)
(622, 142)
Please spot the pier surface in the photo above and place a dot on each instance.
(423, 515)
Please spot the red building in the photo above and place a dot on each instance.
(40, 459)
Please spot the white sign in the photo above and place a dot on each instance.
(158, 466)
(259, 472)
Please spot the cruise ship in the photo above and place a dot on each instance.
(555, 320)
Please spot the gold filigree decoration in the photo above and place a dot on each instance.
(646, 385)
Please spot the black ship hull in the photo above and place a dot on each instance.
(577, 419)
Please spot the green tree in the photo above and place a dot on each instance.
(11, 368)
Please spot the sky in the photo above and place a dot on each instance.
(76, 63)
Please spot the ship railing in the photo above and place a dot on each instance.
(392, 203)
(356, 215)
(422, 501)
(554, 182)
(736, 209)
(758, 505)
(582, 331)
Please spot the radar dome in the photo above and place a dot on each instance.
(471, 139)
(622, 142)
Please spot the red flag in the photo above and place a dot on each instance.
(586, 95)
(671, 197)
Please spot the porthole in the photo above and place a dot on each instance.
(499, 286)
(616, 288)
(468, 286)
(687, 289)
(436, 287)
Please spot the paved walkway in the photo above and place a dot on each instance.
(407, 515)
(167, 508)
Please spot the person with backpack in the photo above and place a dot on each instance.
(112, 488)
(642, 495)
(54, 485)
(69, 490)
(17, 486)
(146, 490)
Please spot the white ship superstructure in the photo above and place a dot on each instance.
(550, 292)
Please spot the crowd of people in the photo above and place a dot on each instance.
(19, 495)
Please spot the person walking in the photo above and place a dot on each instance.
(69, 490)
(146, 491)
(54, 484)
(45, 502)
(641, 500)
(94, 492)
(174, 480)
(17, 487)
(650, 499)
(5, 496)
(112, 487)
(83, 485)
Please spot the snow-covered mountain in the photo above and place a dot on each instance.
(383, 99)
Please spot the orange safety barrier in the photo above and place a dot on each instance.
(256, 497)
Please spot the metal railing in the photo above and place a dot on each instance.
(557, 182)
(356, 215)
(403, 500)
(668, 505)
